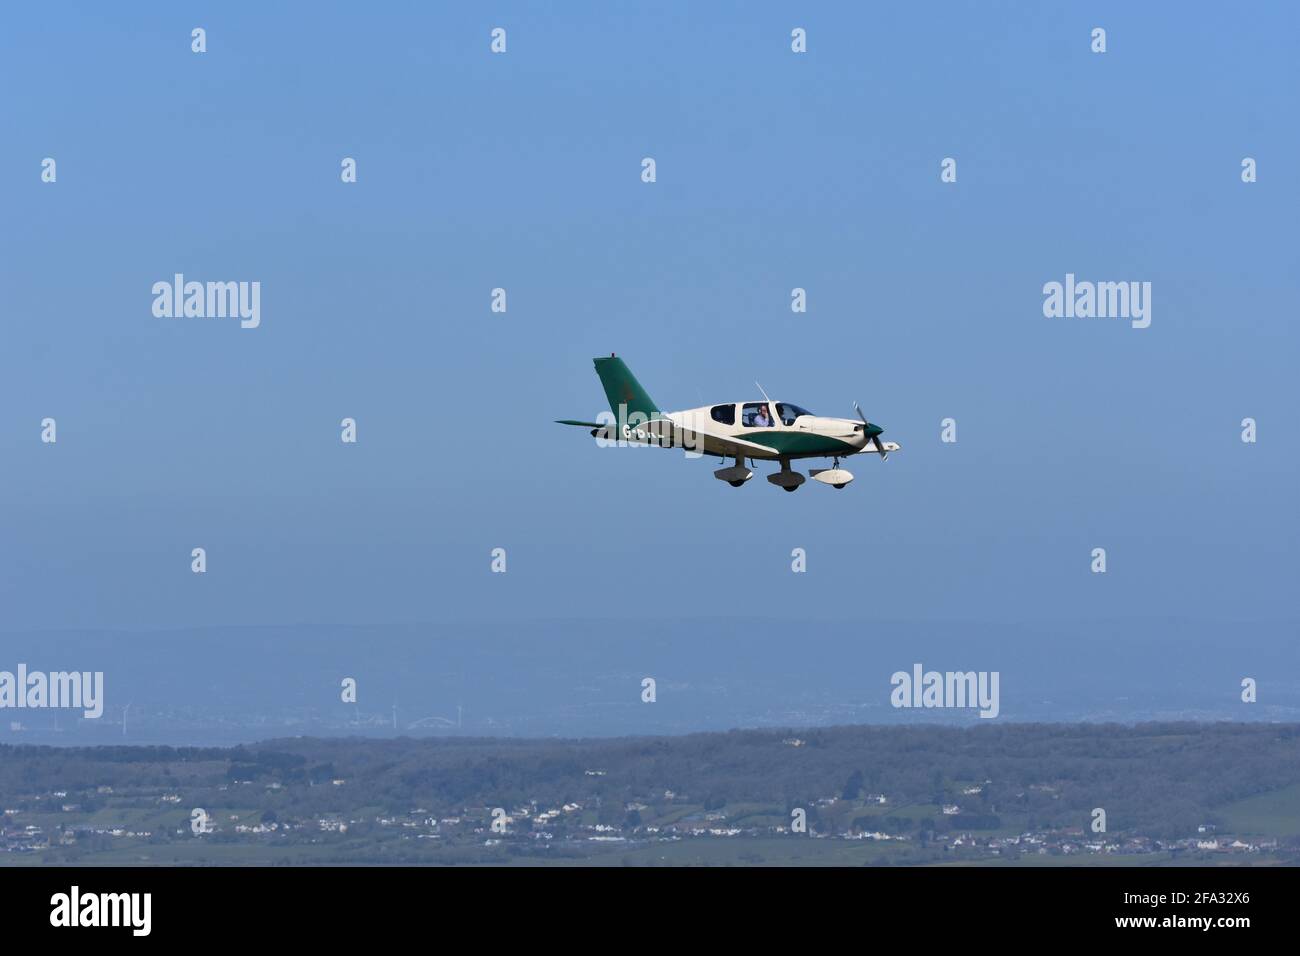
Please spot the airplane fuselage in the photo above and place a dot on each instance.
(791, 436)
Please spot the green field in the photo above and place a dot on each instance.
(1276, 813)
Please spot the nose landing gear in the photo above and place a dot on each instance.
(836, 477)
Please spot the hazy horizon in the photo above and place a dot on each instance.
(582, 678)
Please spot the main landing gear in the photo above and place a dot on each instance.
(736, 475)
(786, 478)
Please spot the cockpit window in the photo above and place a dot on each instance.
(756, 415)
(726, 414)
(789, 412)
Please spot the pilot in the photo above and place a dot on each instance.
(761, 419)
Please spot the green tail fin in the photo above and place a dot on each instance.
(622, 388)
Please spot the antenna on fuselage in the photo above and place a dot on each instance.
(765, 395)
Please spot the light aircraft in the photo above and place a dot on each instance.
(766, 430)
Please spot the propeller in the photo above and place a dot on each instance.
(875, 438)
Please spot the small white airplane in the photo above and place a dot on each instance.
(766, 430)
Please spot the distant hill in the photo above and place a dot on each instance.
(901, 794)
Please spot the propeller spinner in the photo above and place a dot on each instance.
(873, 432)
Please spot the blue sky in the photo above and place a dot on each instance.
(522, 170)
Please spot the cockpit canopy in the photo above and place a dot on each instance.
(758, 414)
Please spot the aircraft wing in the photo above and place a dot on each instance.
(678, 435)
(712, 443)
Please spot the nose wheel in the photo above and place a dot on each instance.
(836, 477)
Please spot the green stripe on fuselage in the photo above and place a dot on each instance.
(796, 444)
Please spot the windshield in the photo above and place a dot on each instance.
(790, 412)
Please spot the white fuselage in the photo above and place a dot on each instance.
(788, 434)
